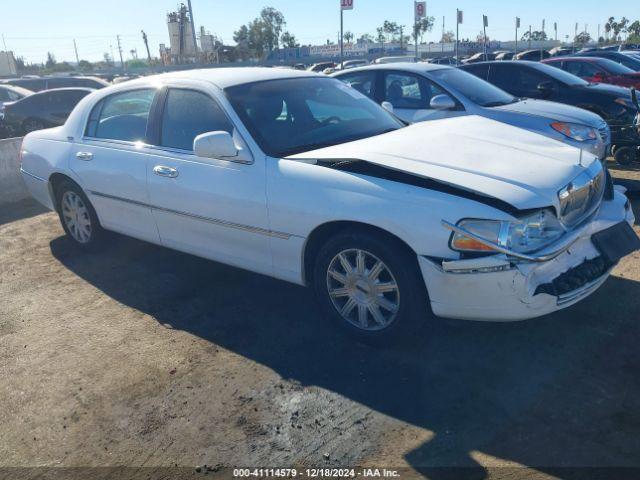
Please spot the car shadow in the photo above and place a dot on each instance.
(561, 390)
(11, 212)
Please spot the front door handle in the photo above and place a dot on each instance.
(84, 156)
(163, 171)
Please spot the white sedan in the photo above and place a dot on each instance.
(297, 176)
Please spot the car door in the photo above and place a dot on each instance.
(522, 81)
(111, 161)
(411, 94)
(214, 208)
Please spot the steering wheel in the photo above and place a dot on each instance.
(331, 120)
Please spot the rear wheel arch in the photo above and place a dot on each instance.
(55, 181)
(324, 232)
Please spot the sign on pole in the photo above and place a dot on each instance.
(460, 16)
(421, 11)
(517, 22)
(346, 4)
(485, 21)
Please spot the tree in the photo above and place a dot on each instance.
(535, 36)
(366, 38)
(582, 38)
(448, 37)
(51, 60)
(391, 28)
(107, 59)
(348, 37)
(289, 41)
(423, 26)
(85, 66)
(261, 34)
(634, 32)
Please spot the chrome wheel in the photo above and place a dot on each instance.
(76, 217)
(363, 290)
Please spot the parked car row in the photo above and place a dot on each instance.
(301, 177)
(28, 104)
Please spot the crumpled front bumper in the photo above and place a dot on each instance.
(497, 289)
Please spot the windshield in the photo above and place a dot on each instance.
(300, 114)
(560, 75)
(472, 87)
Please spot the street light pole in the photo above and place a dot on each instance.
(341, 38)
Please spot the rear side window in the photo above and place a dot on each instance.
(187, 114)
(122, 116)
(363, 82)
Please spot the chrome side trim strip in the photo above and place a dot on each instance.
(215, 221)
(506, 251)
(32, 175)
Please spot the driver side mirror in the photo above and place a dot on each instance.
(545, 88)
(388, 106)
(215, 145)
(442, 102)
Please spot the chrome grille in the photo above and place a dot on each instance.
(582, 196)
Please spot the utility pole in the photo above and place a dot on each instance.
(344, 5)
(341, 38)
(555, 29)
(120, 52)
(485, 24)
(146, 44)
(459, 18)
(529, 37)
(517, 27)
(598, 39)
(401, 40)
(543, 36)
(442, 39)
(75, 48)
(575, 38)
(193, 28)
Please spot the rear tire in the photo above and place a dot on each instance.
(78, 217)
(371, 287)
(624, 156)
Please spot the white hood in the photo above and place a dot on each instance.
(491, 158)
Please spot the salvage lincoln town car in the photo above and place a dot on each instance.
(302, 178)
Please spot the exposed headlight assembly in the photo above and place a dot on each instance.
(580, 133)
(525, 235)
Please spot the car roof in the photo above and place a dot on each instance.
(226, 77)
(420, 67)
(66, 89)
(17, 89)
(572, 58)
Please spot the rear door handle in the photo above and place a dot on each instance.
(84, 156)
(163, 171)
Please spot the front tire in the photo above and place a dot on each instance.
(370, 286)
(78, 217)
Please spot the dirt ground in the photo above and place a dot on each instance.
(145, 357)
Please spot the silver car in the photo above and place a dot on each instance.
(418, 92)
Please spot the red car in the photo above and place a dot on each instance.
(597, 70)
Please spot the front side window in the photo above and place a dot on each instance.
(408, 91)
(187, 114)
(122, 116)
(297, 115)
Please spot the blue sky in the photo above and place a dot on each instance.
(33, 27)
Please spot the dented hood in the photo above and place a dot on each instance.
(473, 153)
